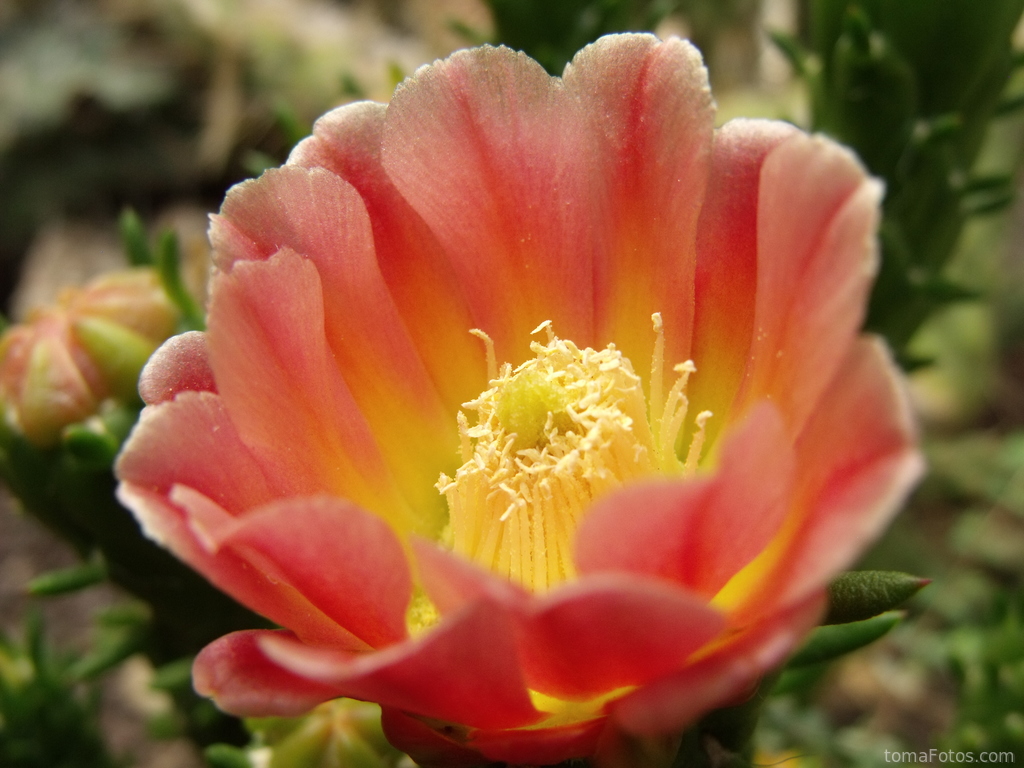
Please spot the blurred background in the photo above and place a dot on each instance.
(159, 106)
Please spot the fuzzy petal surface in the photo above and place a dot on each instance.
(241, 679)
(476, 647)
(698, 534)
(353, 569)
(649, 105)
(612, 631)
(488, 149)
(181, 364)
(418, 274)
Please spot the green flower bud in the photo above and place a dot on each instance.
(341, 732)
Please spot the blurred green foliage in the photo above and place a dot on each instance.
(70, 488)
(47, 715)
(912, 86)
(987, 661)
(552, 32)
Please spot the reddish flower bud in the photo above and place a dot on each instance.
(63, 361)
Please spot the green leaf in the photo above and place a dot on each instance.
(792, 50)
(68, 579)
(121, 631)
(226, 756)
(859, 595)
(981, 205)
(830, 642)
(110, 650)
(90, 446)
(294, 128)
(799, 680)
(133, 236)
(169, 267)
(174, 676)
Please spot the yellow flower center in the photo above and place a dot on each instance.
(548, 439)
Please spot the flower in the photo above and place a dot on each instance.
(60, 365)
(532, 408)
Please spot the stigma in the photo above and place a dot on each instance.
(549, 438)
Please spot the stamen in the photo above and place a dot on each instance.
(545, 326)
(551, 436)
(466, 447)
(492, 360)
(657, 371)
(697, 443)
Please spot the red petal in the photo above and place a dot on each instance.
(541, 746)
(342, 559)
(235, 673)
(426, 292)
(489, 150)
(186, 448)
(181, 364)
(726, 274)
(610, 631)
(463, 671)
(859, 462)
(674, 702)
(320, 216)
(452, 582)
(817, 251)
(191, 441)
(178, 530)
(697, 532)
(425, 745)
(651, 109)
(283, 390)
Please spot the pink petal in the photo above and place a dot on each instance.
(345, 561)
(187, 533)
(185, 449)
(423, 284)
(192, 441)
(495, 157)
(464, 671)
(181, 364)
(817, 218)
(860, 461)
(610, 631)
(726, 273)
(541, 746)
(320, 216)
(425, 744)
(674, 702)
(283, 390)
(698, 532)
(652, 111)
(209, 521)
(243, 681)
(452, 582)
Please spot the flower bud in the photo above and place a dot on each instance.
(58, 366)
(341, 732)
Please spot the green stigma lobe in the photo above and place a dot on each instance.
(525, 403)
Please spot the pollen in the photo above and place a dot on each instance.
(550, 437)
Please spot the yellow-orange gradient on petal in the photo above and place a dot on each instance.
(533, 409)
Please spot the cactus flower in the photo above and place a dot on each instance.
(58, 366)
(533, 409)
